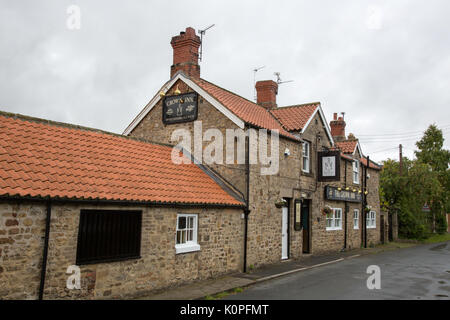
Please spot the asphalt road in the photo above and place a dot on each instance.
(421, 272)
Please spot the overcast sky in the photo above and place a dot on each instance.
(386, 64)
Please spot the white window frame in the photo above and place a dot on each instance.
(191, 245)
(355, 219)
(355, 167)
(306, 155)
(371, 220)
(335, 223)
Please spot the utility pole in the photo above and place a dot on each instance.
(400, 156)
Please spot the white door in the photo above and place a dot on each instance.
(284, 234)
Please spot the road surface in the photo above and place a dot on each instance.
(420, 272)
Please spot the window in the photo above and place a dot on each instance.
(306, 156)
(355, 171)
(356, 219)
(371, 219)
(186, 238)
(108, 235)
(334, 219)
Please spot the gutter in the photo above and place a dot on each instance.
(120, 202)
(45, 252)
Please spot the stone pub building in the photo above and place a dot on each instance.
(118, 208)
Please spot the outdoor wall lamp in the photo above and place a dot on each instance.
(287, 152)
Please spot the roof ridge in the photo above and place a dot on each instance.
(299, 105)
(23, 117)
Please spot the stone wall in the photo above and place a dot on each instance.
(21, 245)
(220, 235)
(264, 241)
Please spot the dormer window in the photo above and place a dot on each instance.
(355, 171)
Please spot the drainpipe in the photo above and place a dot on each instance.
(45, 253)
(345, 208)
(247, 201)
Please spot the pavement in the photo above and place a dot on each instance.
(208, 288)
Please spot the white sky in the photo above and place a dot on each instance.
(386, 64)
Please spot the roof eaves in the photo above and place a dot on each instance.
(18, 197)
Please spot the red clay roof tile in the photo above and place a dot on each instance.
(371, 164)
(246, 110)
(347, 146)
(39, 159)
(294, 118)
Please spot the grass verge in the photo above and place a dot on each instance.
(437, 238)
(224, 294)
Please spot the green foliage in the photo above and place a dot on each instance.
(430, 149)
(431, 152)
(424, 181)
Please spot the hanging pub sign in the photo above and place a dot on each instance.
(333, 193)
(329, 166)
(180, 108)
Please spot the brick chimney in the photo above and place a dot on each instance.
(337, 126)
(266, 93)
(185, 53)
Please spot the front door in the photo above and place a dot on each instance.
(284, 234)
(306, 226)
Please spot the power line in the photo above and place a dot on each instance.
(400, 138)
(407, 133)
(383, 150)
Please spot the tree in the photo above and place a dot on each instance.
(407, 193)
(430, 151)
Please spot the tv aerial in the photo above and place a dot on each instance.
(254, 81)
(202, 33)
(279, 81)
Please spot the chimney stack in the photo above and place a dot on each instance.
(185, 53)
(337, 126)
(266, 93)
